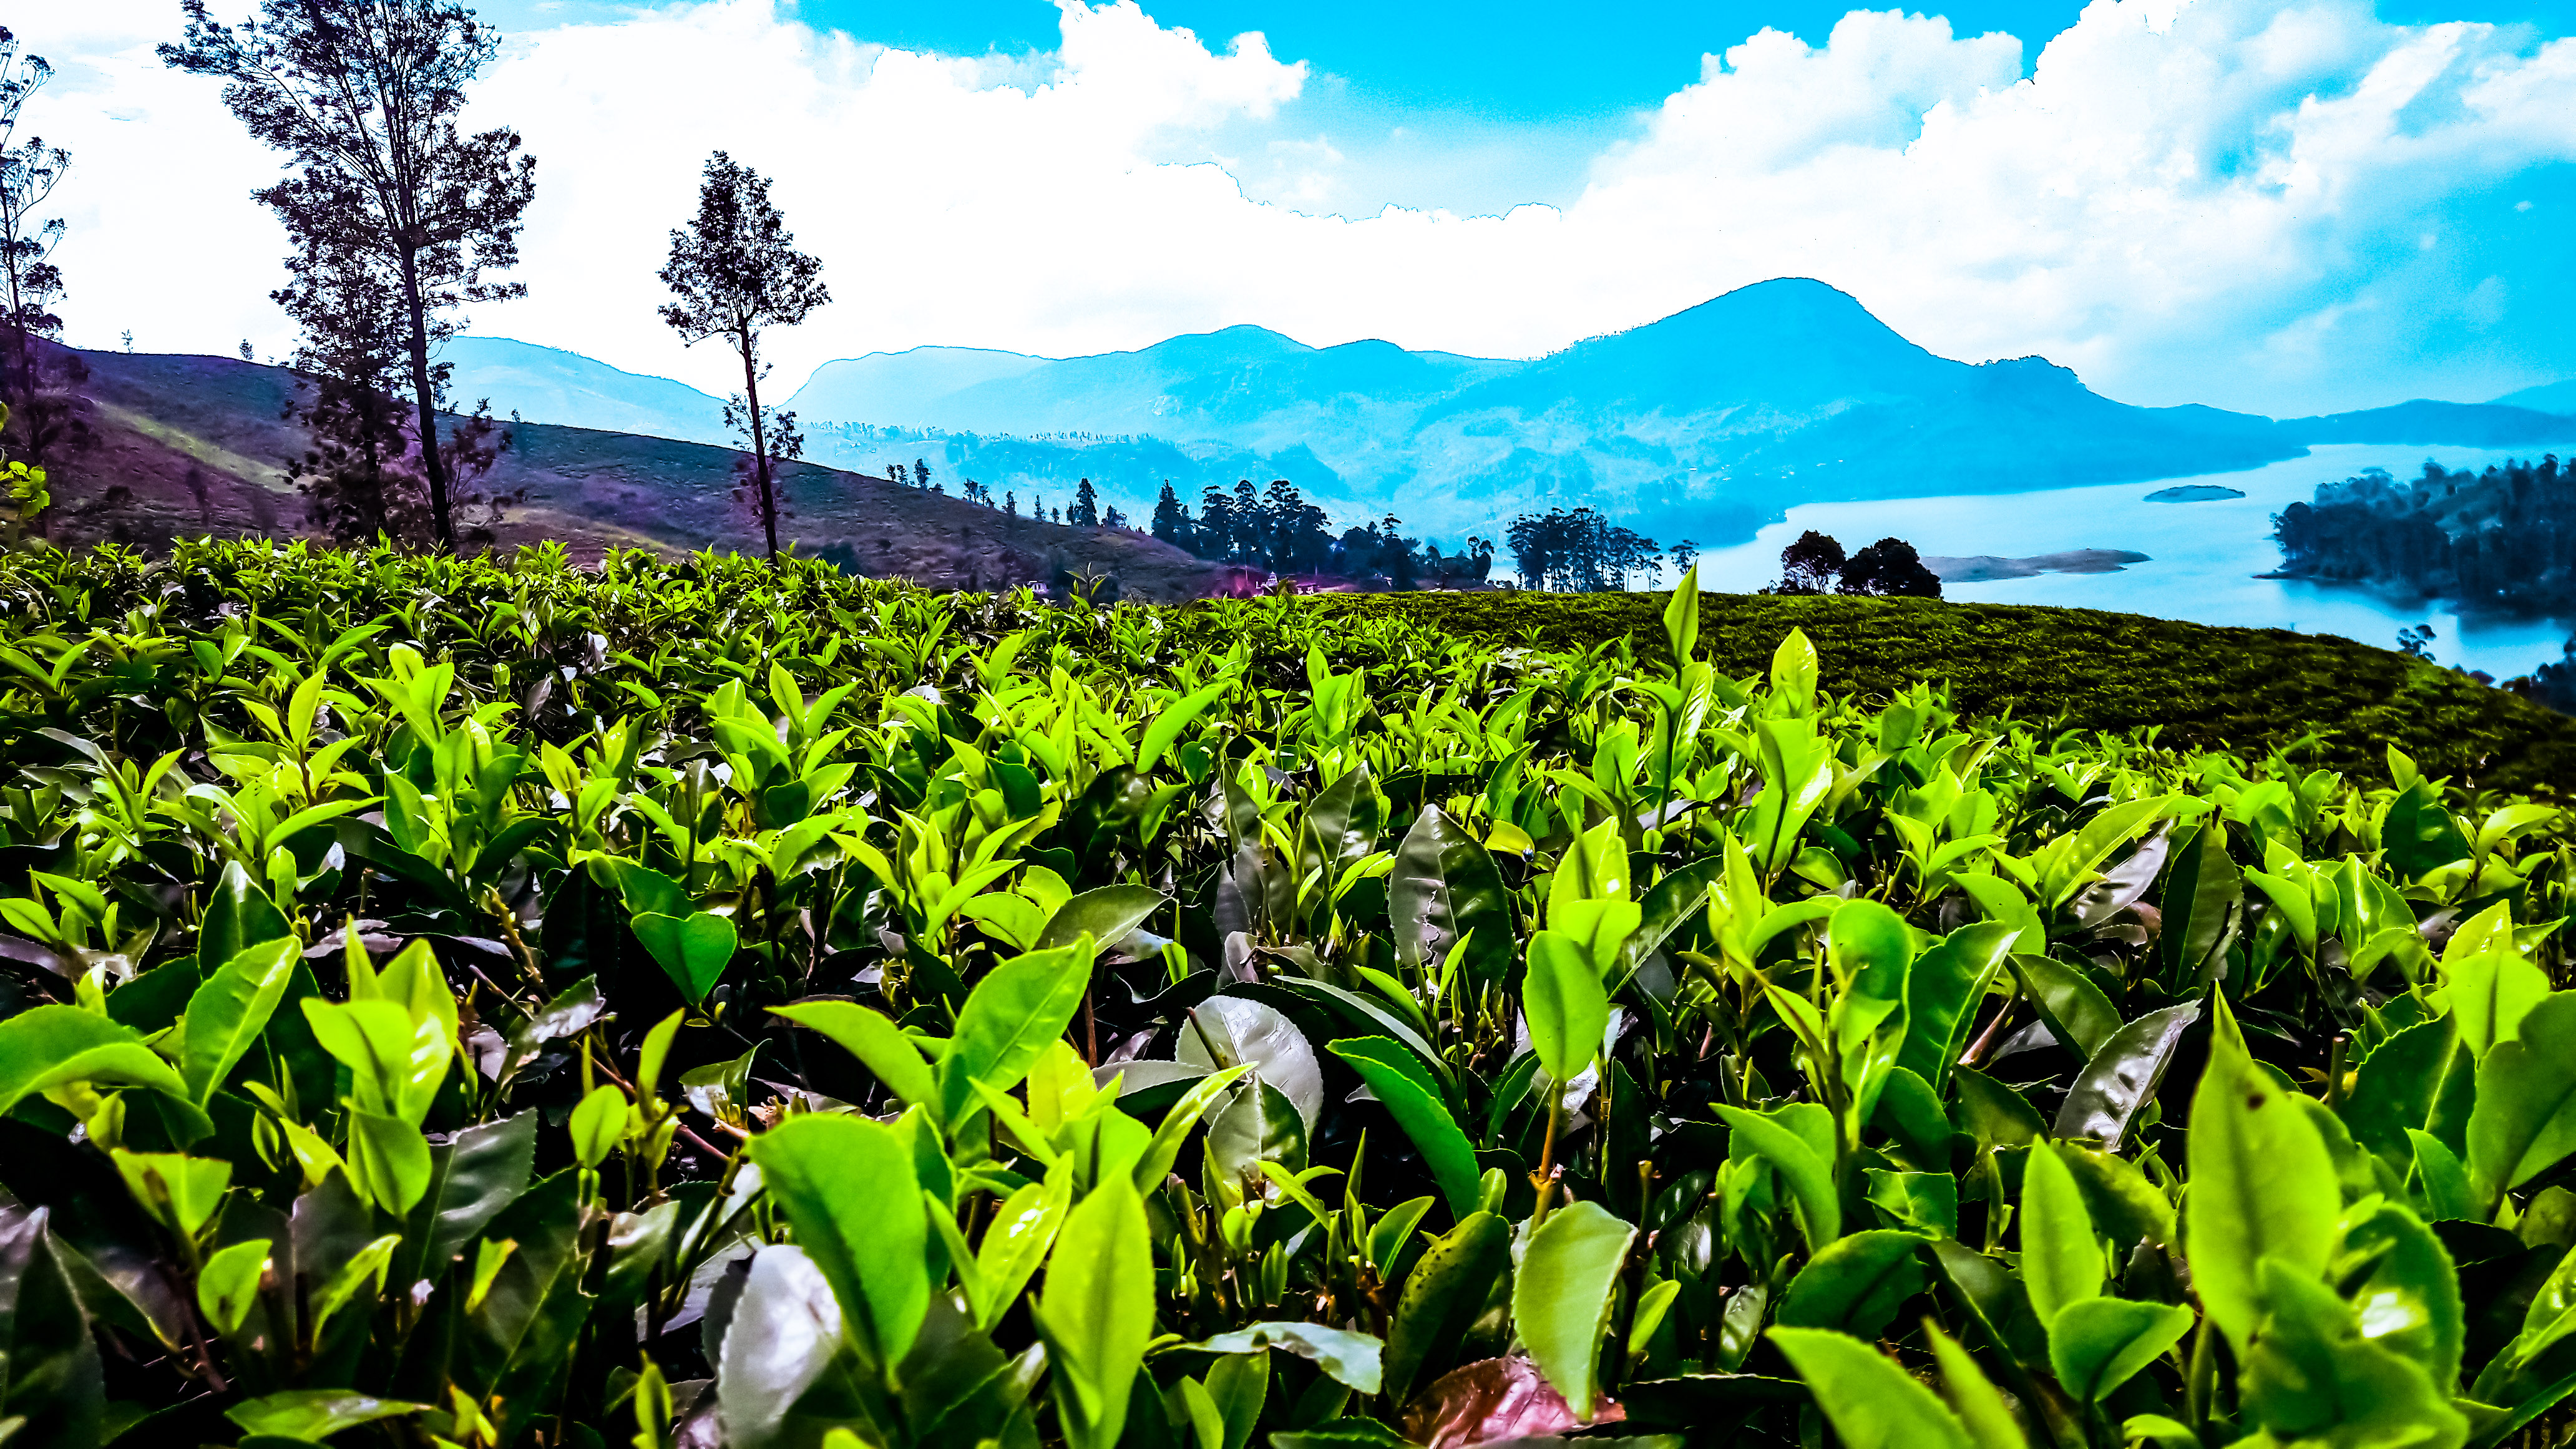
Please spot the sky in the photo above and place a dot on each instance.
(2280, 206)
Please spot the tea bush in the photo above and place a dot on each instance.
(479, 1003)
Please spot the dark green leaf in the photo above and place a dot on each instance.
(1443, 887)
(2202, 886)
(1400, 1082)
(692, 950)
(1443, 1297)
(1856, 1284)
(51, 1391)
(2124, 1072)
(2077, 1013)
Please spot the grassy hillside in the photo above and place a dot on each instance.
(2249, 689)
(159, 419)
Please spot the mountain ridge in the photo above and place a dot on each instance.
(1704, 423)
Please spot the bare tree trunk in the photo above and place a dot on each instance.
(759, 443)
(427, 397)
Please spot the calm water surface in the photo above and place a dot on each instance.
(2205, 555)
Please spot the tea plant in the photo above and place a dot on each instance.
(478, 1003)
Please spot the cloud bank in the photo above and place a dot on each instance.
(2279, 205)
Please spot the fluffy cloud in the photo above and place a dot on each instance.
(2282, 205)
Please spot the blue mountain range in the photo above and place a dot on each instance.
(1703, 424)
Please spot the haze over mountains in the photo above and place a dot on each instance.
(1704, 424)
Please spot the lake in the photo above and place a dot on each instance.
(2204, 555)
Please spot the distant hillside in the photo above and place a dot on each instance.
(2423, 423)
(2549, 397)
(1704, 424)
(550, 385)
(161, 421)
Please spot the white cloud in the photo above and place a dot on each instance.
(2188, 200)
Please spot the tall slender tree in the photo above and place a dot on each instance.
(29, 171)
(363, 96)
(736, 272)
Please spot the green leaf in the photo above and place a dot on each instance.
(1105, 915)
(598, 1121)
(1444, 888)
(1973, 1397)
(53, 1392)
(239, 915)
(1807, 1173)
(2524, 1122)
(790, 1370)
(2489, 993)
(2418, 834)
(1172, 1133)
(2098, 1344)
(1869, 950)
(1097, 1311)
(1561, 1297)
(1400, 1082)
(2312, 1376)
(880, 1045)
(2395, 1088)
(2076, 1011)
(1166, 727)
(1239, 1384)
(2202, 887)
(389, 1160)
(1257, 1124)
(2411, 1296)
(1351, 1359)
(228, 1285)
(2002, 901)
(849, 1188)
(2448, 1192)
(2061, 1257)
(52, 1046)
(1872, 1403)
(1994, 1114)
(1666, 906)
(362, 1272)
(2262, 1186)
(1016, 1242)
(2125, 1206)
(315, 1414)
(230, 1009)
(1681, 619)
(1941, 993)
(2123, 1074)
(1443, 1297)
(692, 950)
(1568, 1011)
(180, 1192)
(1855, 1284)
(473, 1176)
(1999, 1301)
(1925, 1201)
(1008, 1020)
(1793, 673)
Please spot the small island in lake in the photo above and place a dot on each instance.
(1985, 567)
(2194, 493)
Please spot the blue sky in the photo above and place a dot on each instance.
(1502, 60)
(2278, 206)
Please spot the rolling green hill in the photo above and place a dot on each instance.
(2247, 689)
(199, 445)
